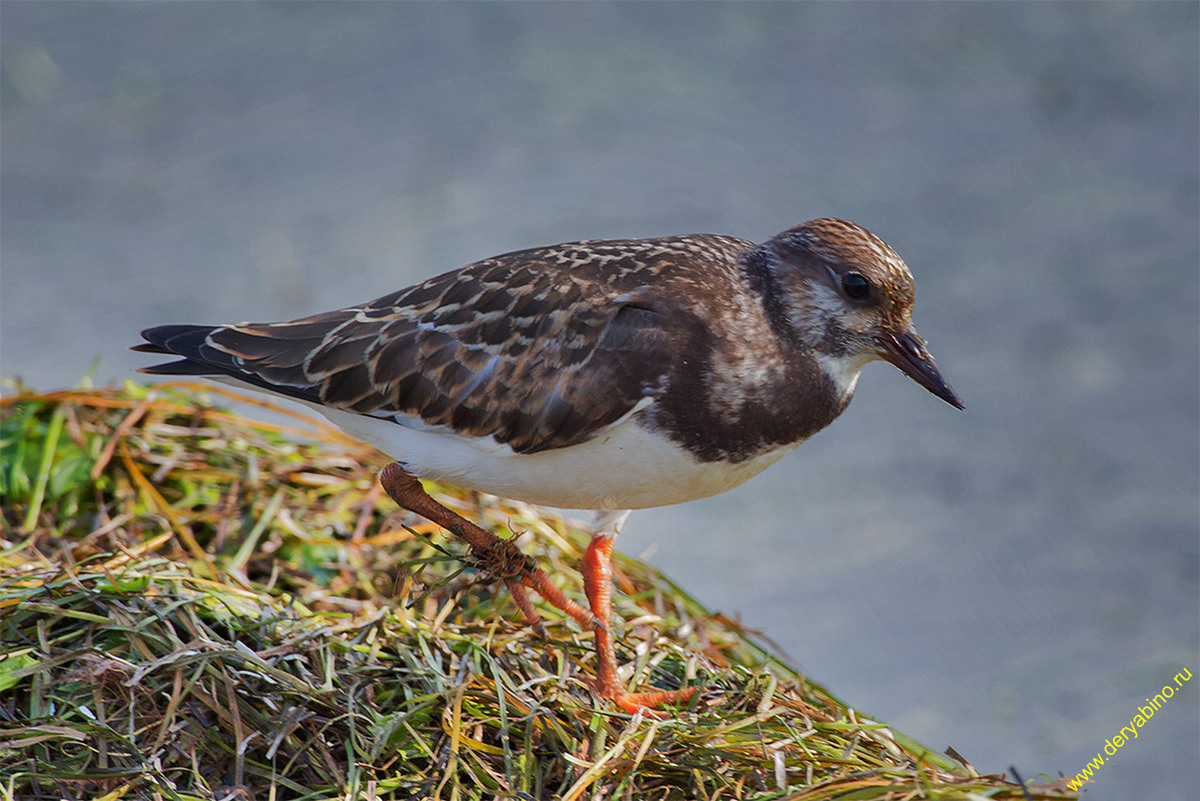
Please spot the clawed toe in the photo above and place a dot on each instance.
(648, 701)
(502, 558)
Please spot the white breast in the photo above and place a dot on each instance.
(625, 466)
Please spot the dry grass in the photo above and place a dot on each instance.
(196, 604)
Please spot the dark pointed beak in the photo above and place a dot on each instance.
(907, 351)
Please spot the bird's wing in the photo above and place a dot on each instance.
(513, 347)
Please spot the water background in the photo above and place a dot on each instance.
(1013, 580)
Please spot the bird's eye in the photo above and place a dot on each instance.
(855, 286)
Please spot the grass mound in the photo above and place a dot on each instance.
(196, 604)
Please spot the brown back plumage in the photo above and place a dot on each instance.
(497, 348)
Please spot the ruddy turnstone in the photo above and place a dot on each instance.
(605, 375)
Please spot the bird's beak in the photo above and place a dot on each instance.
(907, 351)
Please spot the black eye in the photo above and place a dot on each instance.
(855, 286)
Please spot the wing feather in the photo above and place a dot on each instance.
(516, 348)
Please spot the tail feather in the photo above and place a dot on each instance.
(180, 367)
(200, 358)
(185, 340)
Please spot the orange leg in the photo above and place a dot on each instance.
(597, 582)
(501, 557)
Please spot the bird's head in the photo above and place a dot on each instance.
(848, 297)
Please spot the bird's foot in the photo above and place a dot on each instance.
(504, 560)
(648, 701)
(501, 558)
(597, 581)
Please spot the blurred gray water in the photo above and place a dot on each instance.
(1012, 580)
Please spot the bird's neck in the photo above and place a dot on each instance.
(841, 373)
(744, 390)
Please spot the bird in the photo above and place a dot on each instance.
(606, 375)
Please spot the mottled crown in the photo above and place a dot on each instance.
(842, 245)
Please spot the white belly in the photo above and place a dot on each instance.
(623, 467)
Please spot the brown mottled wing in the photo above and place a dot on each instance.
(534, 348)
